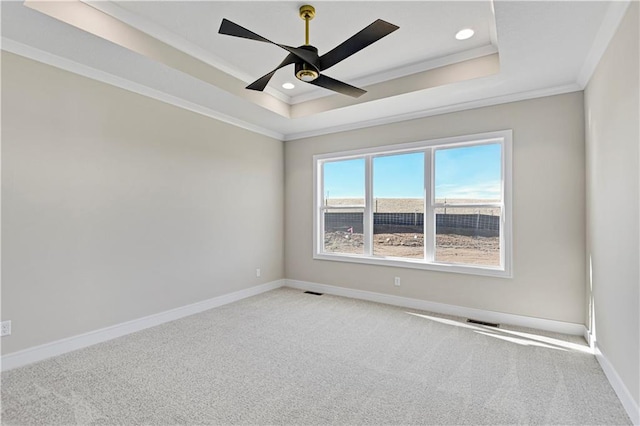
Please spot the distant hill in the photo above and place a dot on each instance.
(412, 205)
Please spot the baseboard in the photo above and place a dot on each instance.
(629, 404)
(59, 347)
(588, 337)
(441, 308)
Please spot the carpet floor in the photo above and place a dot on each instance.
(285, 357)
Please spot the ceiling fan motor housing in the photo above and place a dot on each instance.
(308, 72)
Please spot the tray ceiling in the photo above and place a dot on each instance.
(171, 51)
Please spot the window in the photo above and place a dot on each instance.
(442, 204)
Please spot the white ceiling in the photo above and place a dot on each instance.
(544, 47)
(418, 40)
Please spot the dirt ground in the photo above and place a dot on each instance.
(449, 247)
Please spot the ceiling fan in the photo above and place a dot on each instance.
(308, 64)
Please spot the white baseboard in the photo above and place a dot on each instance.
(59, 347)
(590, 338)
(587, 336)
(441, 308)
(629, 404)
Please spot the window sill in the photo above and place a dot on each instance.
(416, 264)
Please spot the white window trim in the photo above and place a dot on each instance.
(504, 137)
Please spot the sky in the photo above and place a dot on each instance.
(464, 172)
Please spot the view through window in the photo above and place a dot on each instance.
(344, 213)
(398, 205)
(436, 204)
(468, 200)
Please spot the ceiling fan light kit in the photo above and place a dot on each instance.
(309, 66)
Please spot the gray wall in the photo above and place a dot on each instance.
(548, 206)
(116, 206)
(613, 138)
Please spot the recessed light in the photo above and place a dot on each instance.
(288, 86)
(465, 34)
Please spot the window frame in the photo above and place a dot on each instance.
(503, 137)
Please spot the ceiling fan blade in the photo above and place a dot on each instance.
(262, 82)
(232, 29)
(338, 86)
(357, 42)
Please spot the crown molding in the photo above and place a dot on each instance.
(77, 68)
(168, 37)
(462, 106)
(38, 55)
(607, 30)
(162, 34)
(403, 71)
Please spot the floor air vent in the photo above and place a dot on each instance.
(488, 324)
(314, 293)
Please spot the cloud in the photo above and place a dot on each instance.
(482, 190)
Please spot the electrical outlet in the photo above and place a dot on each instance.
(5, 330)
(258, 272)
(396, 281)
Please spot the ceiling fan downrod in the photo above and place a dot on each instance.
(305, 72)
(307, 12)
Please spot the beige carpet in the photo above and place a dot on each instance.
(286, 357)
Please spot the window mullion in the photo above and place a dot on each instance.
(368, 206)
(429, 218)
(318, 211)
